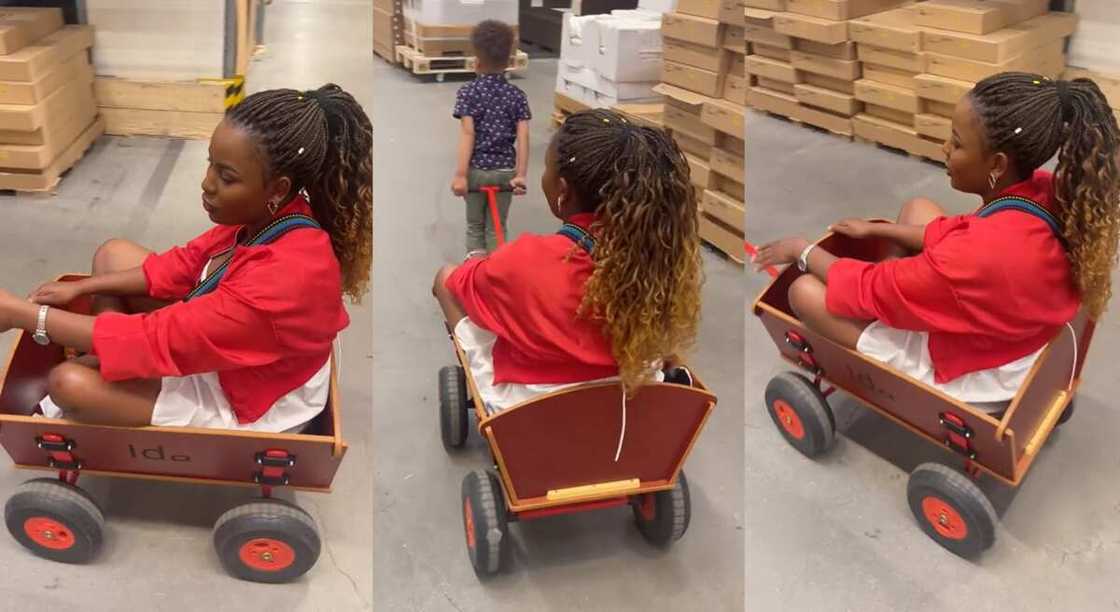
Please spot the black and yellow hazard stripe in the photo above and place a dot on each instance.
(235, 89)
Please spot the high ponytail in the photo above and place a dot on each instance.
(323, 141)
(1032, 118)
(646, 285)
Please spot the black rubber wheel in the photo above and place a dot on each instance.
(267, 540)
(453, 406)
(485, 523)
(801, 412)
(55, 520)
(664, 517)
(1067, 414)
(951, 509)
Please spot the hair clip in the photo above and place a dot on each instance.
(1037, 82)
(572, 159)
(300, 152)
(1018, 130)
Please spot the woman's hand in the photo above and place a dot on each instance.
(779, 253)
(56, 294)
(854, 228)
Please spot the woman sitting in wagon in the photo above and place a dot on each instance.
(968, 302)
(235, 329)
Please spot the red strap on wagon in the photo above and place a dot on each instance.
(958, 435)
(273, 473)
(60, 456)
(753, 251)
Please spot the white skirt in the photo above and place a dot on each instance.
(478, 344)
(198, 401)
(908, 352)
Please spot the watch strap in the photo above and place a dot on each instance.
(41, 324)
(803, 259)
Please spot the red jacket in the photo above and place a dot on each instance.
(527, 293)
(266, 329)
(988, 290)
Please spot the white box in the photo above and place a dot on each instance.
(461, 12)
(1093, 45)
(628, 49)
(578, 44)
(592, 88)
(658, 6)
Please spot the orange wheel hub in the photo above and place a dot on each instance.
(946, 521)
(787, 416)
(48, 533)
(267, 554)
(468, 522)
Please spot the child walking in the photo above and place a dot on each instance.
(494, 135)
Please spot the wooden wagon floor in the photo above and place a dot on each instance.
(837, 534)
(595, 561)
(147, 189)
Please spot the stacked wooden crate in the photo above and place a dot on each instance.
(48, 118)
(388, 28)
(704, 88)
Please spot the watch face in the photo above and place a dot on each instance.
(41, 339)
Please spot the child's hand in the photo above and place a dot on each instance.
(519, 186)
(56, 293)
(854, 228)
(779, 253)
(459, 186)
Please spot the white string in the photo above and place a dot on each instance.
(336, 354)
(1073, 371)
(622, 434)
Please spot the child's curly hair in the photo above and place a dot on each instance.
(323, 141)
(1031, 118)
(493, 43)
(648, 274)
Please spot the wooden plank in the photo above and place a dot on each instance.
(840, 10)
(168, 123)
(902, 60)
(22, 26)
(811, 28)
(845, 70)
(941, 89)
(896, 29)
(727, 209)
(199, 97)
(825, 99)
(932, 126)
(842, 51)
(722, 237)
(890, 76)
(889, 96)
(771, 69)
(35, 61)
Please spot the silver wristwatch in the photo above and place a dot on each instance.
(41, 338)
(803, 260)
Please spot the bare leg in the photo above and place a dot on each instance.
(117, 256)
(452, 311)
(86, 397)
(919, 211)
(807, 299)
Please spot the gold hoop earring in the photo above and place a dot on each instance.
(273, 207)
(992, 181)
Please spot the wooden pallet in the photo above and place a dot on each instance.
(796, 121)
(47, 180)
(418, 64)
(441, 41)
(723, 239)
(565, 107)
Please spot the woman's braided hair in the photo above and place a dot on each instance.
(647, 278)
(1031, 118)
(323, 141)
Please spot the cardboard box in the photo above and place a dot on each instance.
(28, 118)
(20, 27)
(772, 5)
(890, 76)
(767, 36)
(726, 208)
(842, 51)
(697, 56)
(825, 99)
(47, 178)
(1109, 84)
(789, 89)
(699, 80)
(735, 39)
(901, 60)
(700, 174)
(35, 61)
(811, 28)
(1004, 44)
(735, 89)
(725, 117)
(690, 145)
(32, 92)
(726, 11)
(849, 70)
(896, 30)
(699, 30)
(774, 53)
(1048, 60)
(933, 127)
(772, 101)
(890, 114)
(897, 136)
(977, 16)
(941, 89)
(825, 120)
(732, 144)
(940, 109)
(728, 163)
(59, 131)
(839, 85)
(888, 96)
(771, 69)
(680, 121)
(728, 187)
(738, 65)
(839, 10)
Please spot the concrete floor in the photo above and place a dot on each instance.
(158, 552)
(836, 534)
(594, 561)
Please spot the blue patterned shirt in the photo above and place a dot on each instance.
(496, 105)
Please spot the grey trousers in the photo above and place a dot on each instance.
(480, 229)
